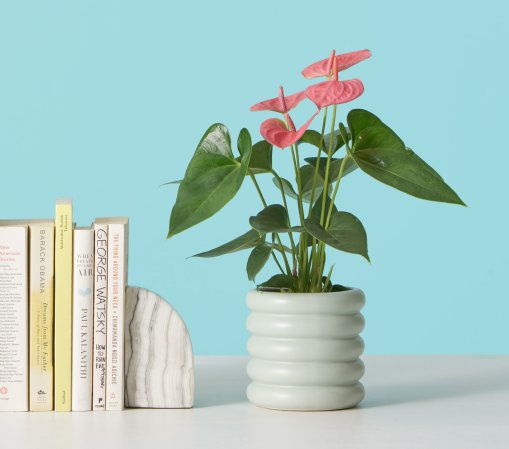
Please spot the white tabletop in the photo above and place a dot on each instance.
(412, 402)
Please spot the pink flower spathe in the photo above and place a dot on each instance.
(281, 103)
(277, 133)
(344, 61)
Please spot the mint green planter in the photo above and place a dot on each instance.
(305, 350)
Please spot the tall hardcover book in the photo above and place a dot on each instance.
(63, 304)
(100, 299)
(83, 310)
(13, 317)
(42, 239)
(117, 282)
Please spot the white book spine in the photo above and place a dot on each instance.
(83, 297)
(117, 279)
(13, 318)
(42, 249)
(100, 302)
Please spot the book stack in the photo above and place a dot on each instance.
(62, 296)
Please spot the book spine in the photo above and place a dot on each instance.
(63, 306)
(13, 319)
(83, 307)
(117, 278)
(42, 239)
(100, 301)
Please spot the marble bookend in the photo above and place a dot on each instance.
(159, 367)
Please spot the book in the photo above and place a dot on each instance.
(42, 239)
(100, 300)
(83, 309)
(63, 304)
(14, 316)
(118, 237)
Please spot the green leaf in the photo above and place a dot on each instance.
(339, 288)
(257, 259)
(317, 208)
(244, 142)
(350, 166)
(287, 187)
(345, 232)
(307, 172)
(261, 158)
(358, 119)
(273, 218)
(313, 138)
(248, 240)
(279, 282)
(212, 179)
(380, 153)
(337, 143)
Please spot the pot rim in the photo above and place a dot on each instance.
(345, 302)
(350, 290)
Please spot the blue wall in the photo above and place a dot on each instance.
(133, 85)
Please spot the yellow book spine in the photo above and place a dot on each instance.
(63, 305)
(42, 238)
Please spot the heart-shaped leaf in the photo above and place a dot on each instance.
(350, 166)
(358, 119)
(345, 232)
(257, 260)
(380, 153)
(273, 218)
(212, 179)
(248, 240)
(279, 282)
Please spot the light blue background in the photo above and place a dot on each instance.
(103, 101)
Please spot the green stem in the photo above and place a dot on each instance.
(327, 168)
(277, 262)
(255, 182)
(336, 187)
(315, 176)
(320, 254)
(327, 280)
(280, 182)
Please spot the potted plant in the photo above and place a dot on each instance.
(305, 343)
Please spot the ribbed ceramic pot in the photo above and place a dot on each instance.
(305, 350)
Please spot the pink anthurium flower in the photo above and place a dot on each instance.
(281, 103)
(344, 61)
(277, 133)
(334, 91)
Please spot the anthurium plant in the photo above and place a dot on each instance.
(215, 174)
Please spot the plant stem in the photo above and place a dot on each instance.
(315, 176)
(312, 257)
(327, 168)
(260, 194)
(336, 187)
(280, 182)
(328, 278)
(277, 262)
(320, 254)
(303, 243)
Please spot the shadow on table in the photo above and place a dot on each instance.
(465, 383)
(220, 385)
